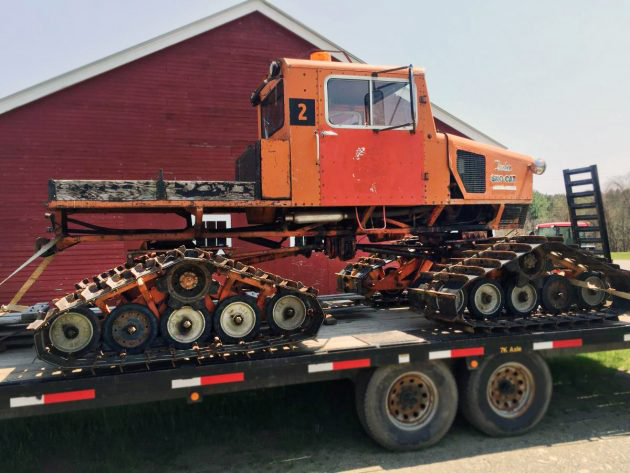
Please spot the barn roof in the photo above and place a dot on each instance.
(195, 28)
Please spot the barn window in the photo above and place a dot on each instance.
(214, 222)
(272, 111)
(368, 103)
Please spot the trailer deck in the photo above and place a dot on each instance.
(363, 338)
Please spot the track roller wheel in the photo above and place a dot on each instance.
(237, 318)
(185, 326)
(521, 301)
(556, 294)
(590, 298)
(286, 313)
(507, 394)
(131, 328)
(406, 407)
(73, 333)
(188, 281)
(485, 299)
(460, 298)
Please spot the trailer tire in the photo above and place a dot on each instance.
(484, 410)
(407, 407)
(360, 385)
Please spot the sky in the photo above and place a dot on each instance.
(545, 78)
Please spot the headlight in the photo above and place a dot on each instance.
(539, 166)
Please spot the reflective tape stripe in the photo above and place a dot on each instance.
(55, 398)
(575, 342)
(223, 378)
(461, 352)
(26, 401)
(437, 355)
(351, 364)
(185, 383)
(52, 398)
(339, 365)
(319, 367)
(208, 380)
(456, 353)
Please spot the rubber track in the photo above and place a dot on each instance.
(88, 291)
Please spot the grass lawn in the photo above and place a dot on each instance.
(621, 255)
(600, 364)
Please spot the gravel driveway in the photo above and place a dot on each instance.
(624, 263)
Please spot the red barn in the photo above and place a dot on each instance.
(179, 102)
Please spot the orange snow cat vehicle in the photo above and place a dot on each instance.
(344, 150)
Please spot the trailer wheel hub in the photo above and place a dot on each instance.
(510, 390)
(411, 400)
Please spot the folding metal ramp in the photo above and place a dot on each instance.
(584, 199)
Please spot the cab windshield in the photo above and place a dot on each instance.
(272, 111)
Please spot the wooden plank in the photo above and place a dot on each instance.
(133, 191)
(209, 190)
(117, 191)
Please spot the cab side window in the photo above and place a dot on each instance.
(390, 103)
(348, 102)
(368, 103)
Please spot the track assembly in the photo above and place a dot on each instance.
(494, 284)
(179, 304)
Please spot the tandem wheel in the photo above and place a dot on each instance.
(406, 407)
(507, 394)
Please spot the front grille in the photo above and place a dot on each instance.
(514, 215)
(471, 168)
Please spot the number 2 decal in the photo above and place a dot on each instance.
(302, 111)
(302, 115)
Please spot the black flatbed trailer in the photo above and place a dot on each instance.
(364, 341)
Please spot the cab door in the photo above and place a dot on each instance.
(366, 156)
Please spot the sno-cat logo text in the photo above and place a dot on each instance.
(502, 178)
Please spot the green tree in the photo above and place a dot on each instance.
(538, 210)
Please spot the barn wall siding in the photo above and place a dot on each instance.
(184, 109)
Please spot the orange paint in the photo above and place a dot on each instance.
(274, 168)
